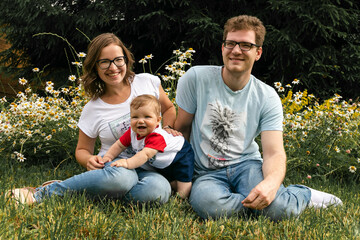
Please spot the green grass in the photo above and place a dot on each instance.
(78, 217)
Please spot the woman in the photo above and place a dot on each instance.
(111, 85)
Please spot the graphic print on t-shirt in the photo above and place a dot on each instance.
(119, 126)
(223, 134)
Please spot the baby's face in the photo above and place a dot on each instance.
(144, 120)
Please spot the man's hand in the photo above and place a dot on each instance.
(120, 163)
(172, 131)
(261, 196)
(95, 162)
(274, 168)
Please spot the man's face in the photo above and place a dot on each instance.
(238, 61)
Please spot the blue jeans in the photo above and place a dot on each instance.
(114, 182)
(220, 192)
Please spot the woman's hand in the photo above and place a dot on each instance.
(94, 162)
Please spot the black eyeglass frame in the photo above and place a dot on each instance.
(111, 61)
(238, 43)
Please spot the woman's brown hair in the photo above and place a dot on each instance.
(95, 87)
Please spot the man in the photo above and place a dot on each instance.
(221, 110)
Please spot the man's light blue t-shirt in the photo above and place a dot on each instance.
(226, 122)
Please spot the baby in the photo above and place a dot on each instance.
(171, 155)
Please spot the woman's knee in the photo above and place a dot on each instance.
(151, 187)
(158, 187)
(118, 177)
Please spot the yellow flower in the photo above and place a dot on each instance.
(296, 81)
(352, 169)
(82, 54)
(277, 84)
(72, 78)
(22, 81)
(78, 64)
(143, 61)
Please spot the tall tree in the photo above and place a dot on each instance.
(315, 41)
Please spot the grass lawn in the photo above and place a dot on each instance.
(81, 218)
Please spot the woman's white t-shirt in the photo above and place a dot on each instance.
(110, 121)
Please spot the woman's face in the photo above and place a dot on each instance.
(113, 75)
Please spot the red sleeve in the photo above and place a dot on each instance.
(155, 141)
(125, 139)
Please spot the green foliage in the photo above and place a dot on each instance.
(136, 22)
(315, 41)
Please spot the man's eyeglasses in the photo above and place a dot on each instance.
(244, 46)
(105, 63)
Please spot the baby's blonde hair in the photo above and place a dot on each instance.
(144, 100)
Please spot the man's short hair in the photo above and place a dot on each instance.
(245, 22)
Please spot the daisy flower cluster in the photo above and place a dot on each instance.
(175, 70)
(178, 67)
(32, 125)
(320, 138)
(147, 59)
(181, 62)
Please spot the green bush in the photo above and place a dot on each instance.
(321, 140)
(39, 128)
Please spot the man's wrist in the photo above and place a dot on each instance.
(168, 126)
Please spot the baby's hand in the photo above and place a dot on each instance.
(120, 163)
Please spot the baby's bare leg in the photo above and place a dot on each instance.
(183, 188)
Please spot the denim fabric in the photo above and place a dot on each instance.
(220, 192)
(151, 187)
(114, 182)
